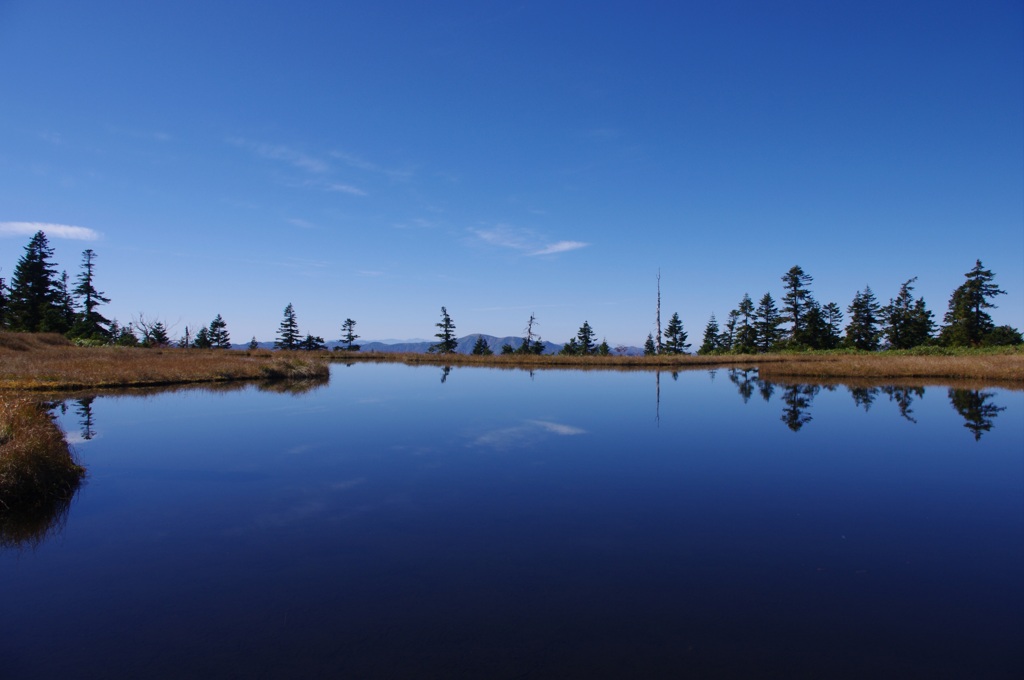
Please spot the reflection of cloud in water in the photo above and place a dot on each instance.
(527, 434)
(317, 503)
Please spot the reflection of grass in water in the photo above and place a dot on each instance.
(38, 474)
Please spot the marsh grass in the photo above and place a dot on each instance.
(38, 473)
(993, 366)
(44, 362)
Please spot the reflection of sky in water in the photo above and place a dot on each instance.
(621, 524)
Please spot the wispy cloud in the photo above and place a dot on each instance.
(301, 223)
(280, 152)
(344, 189)
(560, 247)
(504, 236)
(358, 163)
(54, 230)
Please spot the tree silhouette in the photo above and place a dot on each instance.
(446, 335)
(288, 331)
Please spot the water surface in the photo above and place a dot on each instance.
(415, 522)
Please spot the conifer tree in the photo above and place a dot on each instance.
(796, 301)
(585, 339)
(219, 336)
(815, 334)
(288, 331)
(907, 322)
(603, 349)
(253, 345)
(572, 348)
(650, 349)
(481, 348)
(865, 315)
(767, 324)
(60, 317)
(727, 340)
(157, 335)
(833, 317)
(675, 337)
(90, 324)
(33, 286)
(312, 343)
(446, 335)
(348, 336)
(746, 333)
(967, 323)
(3, 303)
(202, 340)
(711, 337)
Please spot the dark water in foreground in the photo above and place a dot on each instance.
(562, 525)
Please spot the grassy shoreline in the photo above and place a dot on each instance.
(1003, 367)
(44, 362)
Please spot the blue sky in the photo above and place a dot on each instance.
(377, 160)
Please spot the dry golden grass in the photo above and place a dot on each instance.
(47, 362)
(1004, 367)
(38, 473)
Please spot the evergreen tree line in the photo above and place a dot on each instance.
(802, 323)
(37, 299)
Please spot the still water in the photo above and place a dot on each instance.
(409, 522)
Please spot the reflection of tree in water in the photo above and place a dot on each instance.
(864, 396)
(904, 397)
(445, 370)
(766, 389)
(745, 380)
(84, 412)
(797, 399)
(974, 407)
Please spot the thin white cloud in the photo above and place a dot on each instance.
(358, 163)
(504, 236)
(345, 189)
(301, 223)
(53, 230)
(280, 152)
(560, 247)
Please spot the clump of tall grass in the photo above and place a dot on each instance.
(291, 367)
(38, 473)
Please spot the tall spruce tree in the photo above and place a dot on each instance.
(90, 324)
(219, 336)
(746, 333)
(711, 337)
(796, 302)
(675, 336)
(967, 323)
(33, 289)
(288, 331)
(60, 317)
(348, 336)
(833, 316)
(907, 322)
(767, 324)
(865, 315)
(727, 340)
(447, 342)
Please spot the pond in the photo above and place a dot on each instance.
(482, 523)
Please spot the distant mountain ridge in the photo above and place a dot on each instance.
(464, 346)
